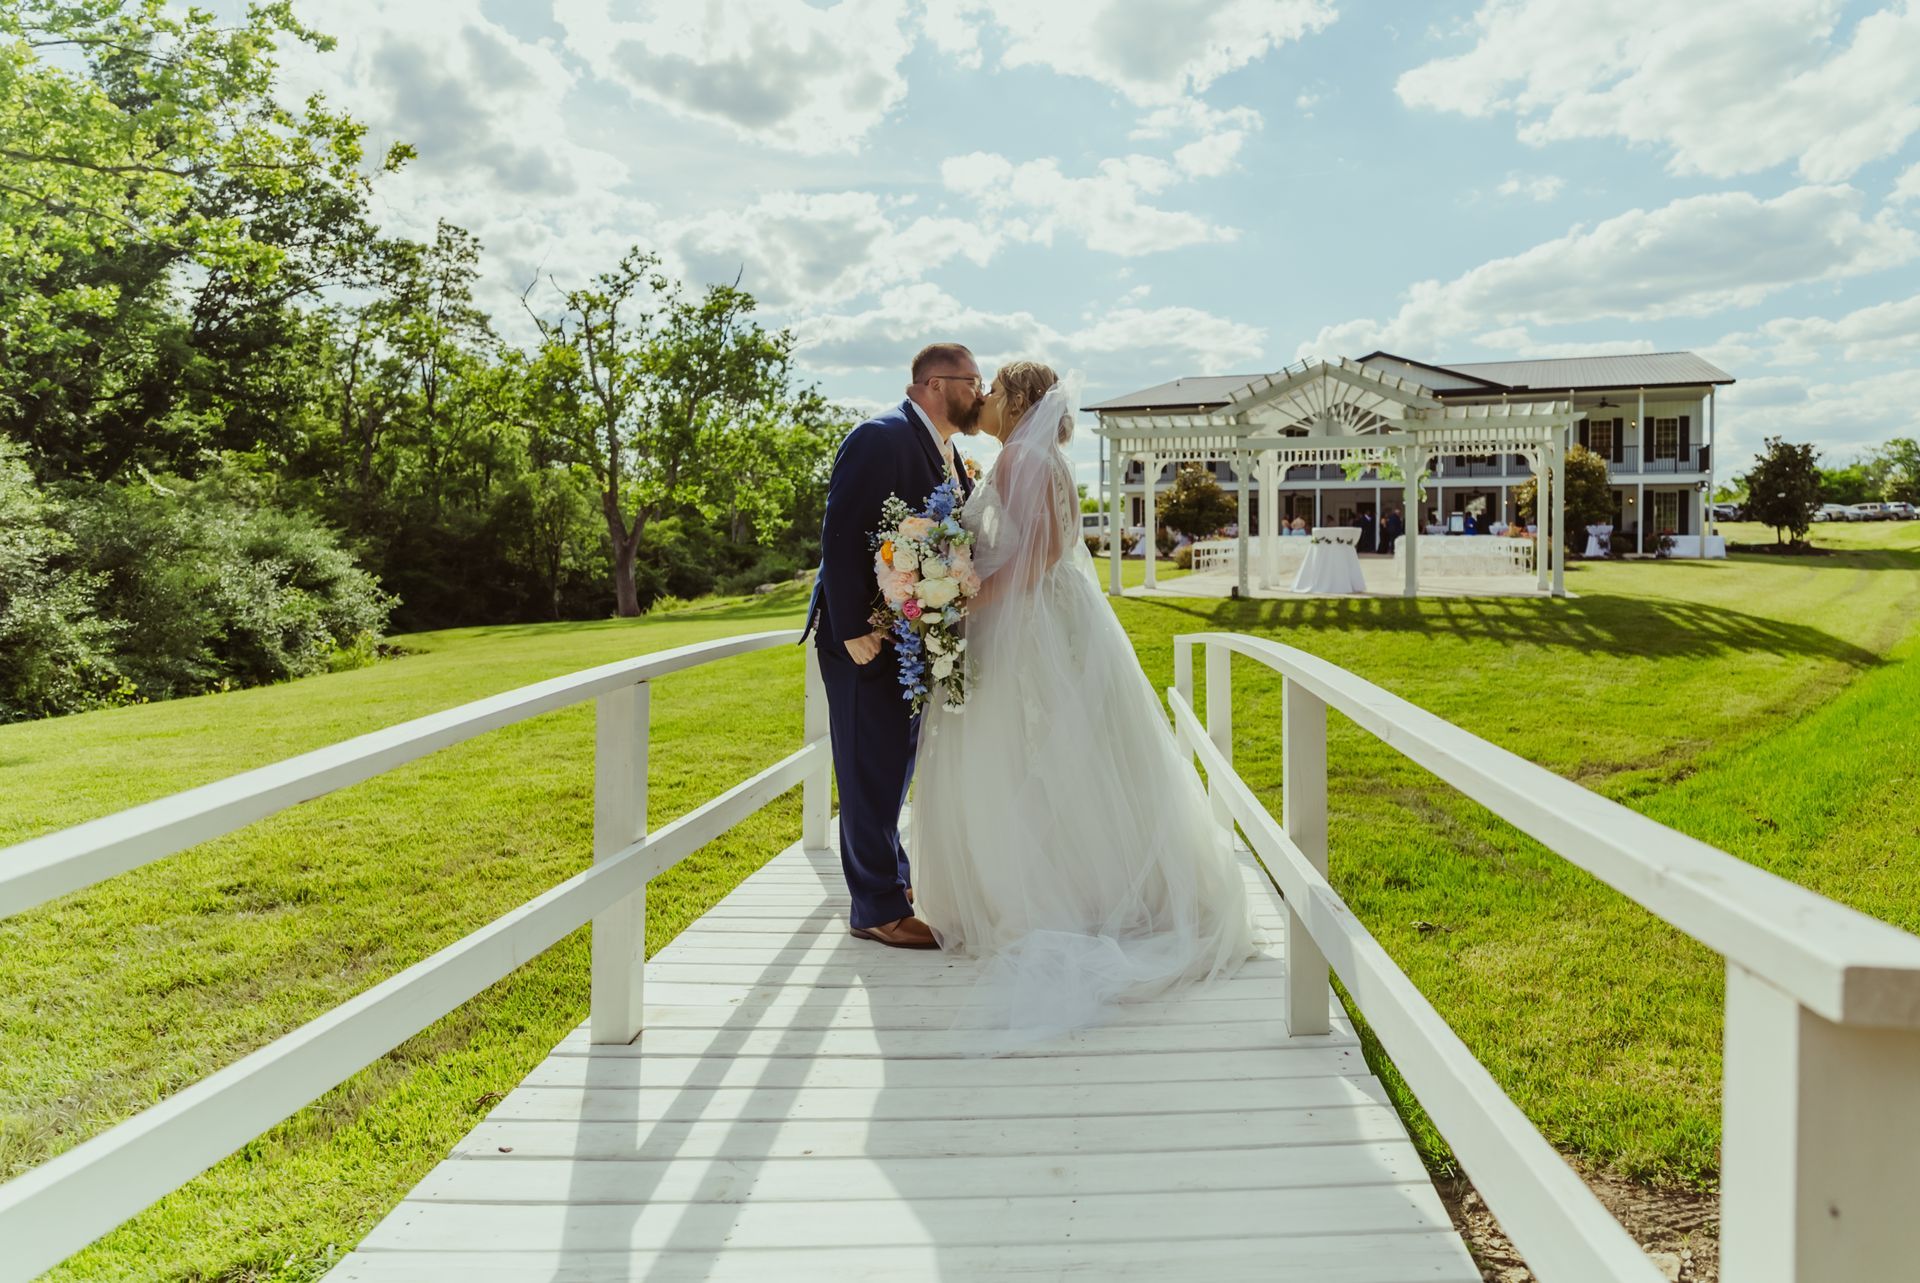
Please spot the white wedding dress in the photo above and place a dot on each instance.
(1056, 832)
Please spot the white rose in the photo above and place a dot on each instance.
(935, 645)
(904, 560)
(943, 668)
(936, 592)
(934, 568)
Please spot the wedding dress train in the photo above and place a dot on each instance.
(1056, 833)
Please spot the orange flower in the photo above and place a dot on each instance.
(886, 552)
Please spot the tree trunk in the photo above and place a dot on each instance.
(626, 594)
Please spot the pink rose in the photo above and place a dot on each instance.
(910, 608)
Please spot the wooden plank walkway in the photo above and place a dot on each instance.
(799, 1108)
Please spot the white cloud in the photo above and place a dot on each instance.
(1843, 416)
(1152, 52)
(490, 117)
(1726, 86)
(808, 78)
(1517, 342)
(794, 249)
(1118, 342)
(1887, 331)
(1211, 156)
(1537, 187)
(1906, 187)
(1034, 201)
(1693, 257)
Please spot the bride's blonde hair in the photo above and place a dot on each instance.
(1025, 382)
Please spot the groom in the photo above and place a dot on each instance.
(906, 451)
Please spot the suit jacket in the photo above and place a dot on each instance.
(890, 454)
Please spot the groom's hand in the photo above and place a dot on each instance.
(864, 649)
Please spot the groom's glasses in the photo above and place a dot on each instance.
(973, 379)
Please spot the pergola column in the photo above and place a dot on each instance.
(1116, 471)
(1242, 465)
(1562, 447)
(1151, 548)
(1269, 517)
(1410, 512)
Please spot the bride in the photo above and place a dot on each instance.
(1057, 832)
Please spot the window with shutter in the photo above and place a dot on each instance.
(1600, 437)
(1666, 438)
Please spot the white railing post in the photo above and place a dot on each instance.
(1220, 723)
(1183, 669)
(1820, 1143)
(617, 1011)
(816, 795)
(1303, 766)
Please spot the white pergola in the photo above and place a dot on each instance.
(1339, 412)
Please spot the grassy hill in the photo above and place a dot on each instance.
(1766, 705)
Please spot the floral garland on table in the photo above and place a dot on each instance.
(1320, 537)
(924, 564)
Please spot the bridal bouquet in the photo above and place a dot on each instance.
(924, 562)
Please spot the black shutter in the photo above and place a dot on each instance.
(1619, 446)
(1584, 425)
(1681, 449)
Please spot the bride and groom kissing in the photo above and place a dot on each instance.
(1057, 834)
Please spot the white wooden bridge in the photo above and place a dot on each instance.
(769, 1099)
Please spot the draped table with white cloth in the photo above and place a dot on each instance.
(1471, 555)
(1599, 540)
(1333, 562)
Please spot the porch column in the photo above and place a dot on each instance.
(1640, 519)
(1151, 549)
(1707, 503)
(1410, 511)
(1562, 447)
(1241, 467)
(1116, 468)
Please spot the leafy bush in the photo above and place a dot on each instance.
(1183, 557)
(213, 586)
(56, 652)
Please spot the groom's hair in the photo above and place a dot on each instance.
(935, 355)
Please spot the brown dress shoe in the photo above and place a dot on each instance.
(904, 933)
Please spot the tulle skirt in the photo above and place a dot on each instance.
(1057, 834)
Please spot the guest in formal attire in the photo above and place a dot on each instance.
(1473, 526)
(1367, 533)
(1298, 526)
(1393, 527)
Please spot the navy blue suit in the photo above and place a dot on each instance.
(874, 733)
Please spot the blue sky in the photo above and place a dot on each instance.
(1139, 189)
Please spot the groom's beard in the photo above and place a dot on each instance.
(965, 417)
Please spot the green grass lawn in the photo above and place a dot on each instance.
(1763, 704)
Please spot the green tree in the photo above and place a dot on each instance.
(161, 211)
(1857, 482)
(1589, 496)
(657, 378)
(1196, 506)
(1783, 488)
(1901, 483)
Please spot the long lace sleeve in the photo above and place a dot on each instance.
(1016, 517)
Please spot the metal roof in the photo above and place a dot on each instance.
(1579, 373)
(1203, 390)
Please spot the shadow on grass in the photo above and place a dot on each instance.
(1642, 627)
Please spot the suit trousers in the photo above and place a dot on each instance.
(875, 735)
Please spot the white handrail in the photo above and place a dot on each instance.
(1822, 1116)
(57, 1208)
(43, 868)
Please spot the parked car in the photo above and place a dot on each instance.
(1726, 512)
(1871, 512)
(1835, 512)
(1903, 511)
